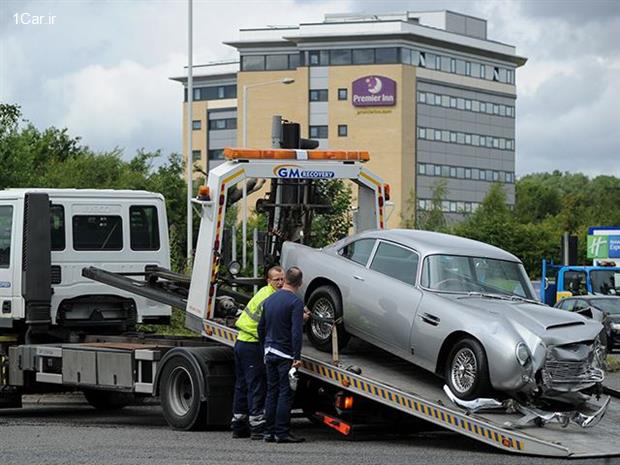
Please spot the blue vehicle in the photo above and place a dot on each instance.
(559, 281)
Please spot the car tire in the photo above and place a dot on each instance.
(468, 355)
(325, 302)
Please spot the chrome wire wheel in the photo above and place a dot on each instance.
(464, 370)
(181, 392)
(323, 313)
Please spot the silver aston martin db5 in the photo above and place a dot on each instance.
(462, 309)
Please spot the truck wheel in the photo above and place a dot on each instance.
(325, 306)
(180, 395)
(467, 370)
(108, 400)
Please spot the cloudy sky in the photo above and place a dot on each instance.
(102, 68)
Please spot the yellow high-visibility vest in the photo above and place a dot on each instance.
(247, 323)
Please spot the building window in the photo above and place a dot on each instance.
(318, 58)
(318, 132)
(437, 99)
(340, 57)
(363, 56)
(216, 154)
(496, 73)
(196, 125)
(452, 65)
(421, 168)
(342, 130)
(422, 60)
(214, 92)
(224, 123)
(482, 71)
(510, 76)
(422, 133)
(196, 155)
(276, 62)
(294, 60)
(468, 68)
(386, 55)
(405, 56)
(253, 63)
(318, 95)
(438, 62)
(343, 94)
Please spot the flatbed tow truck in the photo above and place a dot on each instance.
(194, 376)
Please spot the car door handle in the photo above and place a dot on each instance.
(359, 278)
(430, 319)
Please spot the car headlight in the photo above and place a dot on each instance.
(522, 353)
(615, 326)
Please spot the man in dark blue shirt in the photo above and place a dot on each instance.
(280, 332)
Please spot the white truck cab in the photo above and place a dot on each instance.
(117, 230)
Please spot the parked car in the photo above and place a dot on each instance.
(457, 307)
(602, 308)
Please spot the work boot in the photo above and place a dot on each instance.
(290, 439)
(241, 434)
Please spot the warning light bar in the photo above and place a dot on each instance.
(288, 154)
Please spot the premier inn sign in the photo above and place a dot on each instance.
(374, 91)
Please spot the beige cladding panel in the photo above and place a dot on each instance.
(199, 137)
(375, 129)
(264, 101)
(406, 199)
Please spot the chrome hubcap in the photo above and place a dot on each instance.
(323, 316)
(181, 391)
(464, 370)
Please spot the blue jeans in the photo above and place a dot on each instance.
(279, 396)
(249, 398)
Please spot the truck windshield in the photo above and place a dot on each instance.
(454, 273)
(605, 281)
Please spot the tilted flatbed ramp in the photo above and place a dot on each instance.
(397, 383)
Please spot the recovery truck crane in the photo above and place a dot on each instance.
(194, 377)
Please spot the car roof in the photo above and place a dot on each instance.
(594, 297)
(430, 243)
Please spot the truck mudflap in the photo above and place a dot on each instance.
(586, 418)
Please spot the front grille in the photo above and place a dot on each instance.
(572, 372)
(56, 274)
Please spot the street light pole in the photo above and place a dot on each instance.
(244, 229)
(190, 101)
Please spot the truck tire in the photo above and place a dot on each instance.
(179, 394)
(108, 400)
(325, 304)
(196, 386)
(467, 370)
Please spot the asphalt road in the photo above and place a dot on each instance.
(56, 433)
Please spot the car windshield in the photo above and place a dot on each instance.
(611, 305)
(454, 273)
(605, 282)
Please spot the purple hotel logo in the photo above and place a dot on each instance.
(374, 91)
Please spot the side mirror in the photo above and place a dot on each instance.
(234, 268)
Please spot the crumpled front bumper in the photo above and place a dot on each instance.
(572, 368)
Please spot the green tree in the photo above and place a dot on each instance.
(434, 219)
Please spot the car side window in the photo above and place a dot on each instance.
(358, 251)
(580, 305)
(569, 305)
(395, 261)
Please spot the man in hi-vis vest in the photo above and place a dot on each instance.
(250, 384)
